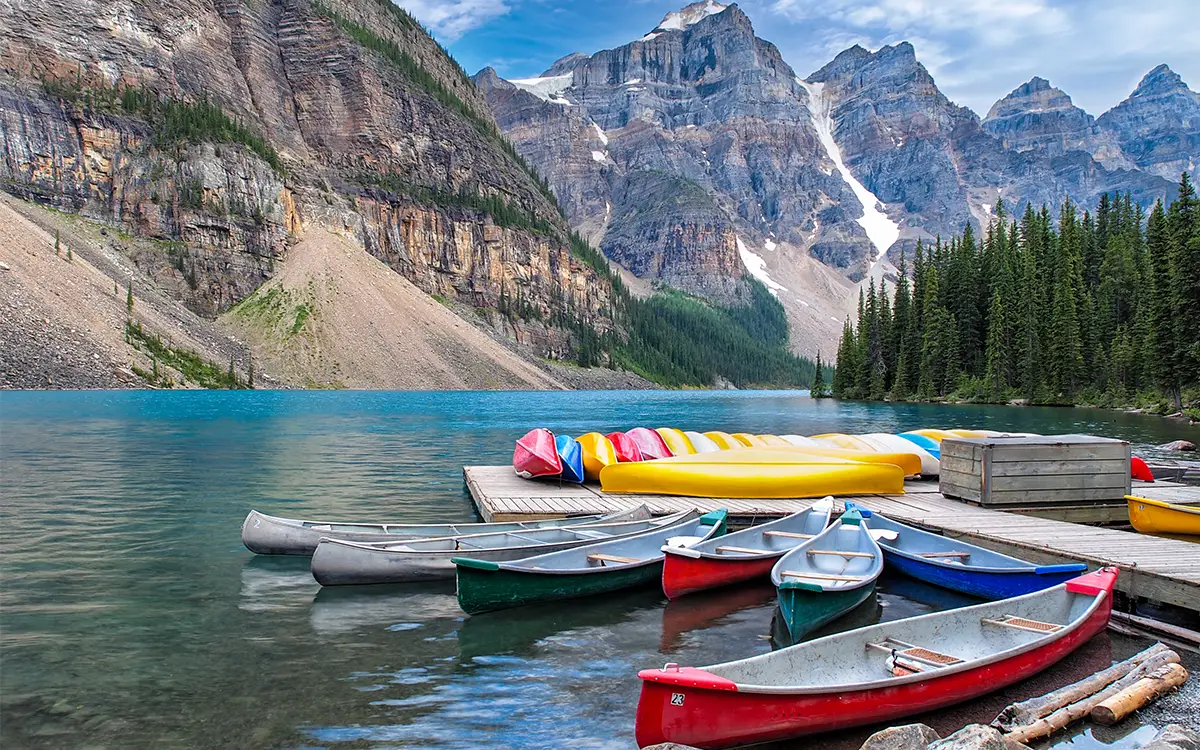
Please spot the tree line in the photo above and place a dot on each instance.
(1100, 308)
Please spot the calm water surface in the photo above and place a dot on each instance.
(131, 616)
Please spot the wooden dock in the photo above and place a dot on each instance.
(1163, 570)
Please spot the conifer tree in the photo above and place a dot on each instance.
(818, 384)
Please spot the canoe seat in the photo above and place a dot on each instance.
(839, 553)
(741, 550)
(821, 576)
(788, 534)
(1021, 623)
(939, 555)
(907, 658)
(602, 558)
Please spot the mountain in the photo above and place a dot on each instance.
(1158, 126)
(1037, 116)
(692, 158)
(226, 132)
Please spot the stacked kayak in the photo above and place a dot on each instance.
(753, 473)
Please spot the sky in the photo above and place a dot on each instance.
(977, 50)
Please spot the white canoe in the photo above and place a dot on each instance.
(273, 535)
(930, 466)
(338, 562)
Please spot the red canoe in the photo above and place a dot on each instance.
(740, 556)
(627, 450)
(536, 456)
(873, 674)
(650, 443)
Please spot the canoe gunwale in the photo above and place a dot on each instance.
(1000, 656)
(869, 578)
(730, 539)
(1164, 505)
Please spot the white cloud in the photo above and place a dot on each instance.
(450, 19)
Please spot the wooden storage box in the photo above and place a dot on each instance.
(1025, 471)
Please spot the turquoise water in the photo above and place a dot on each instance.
(131, 616)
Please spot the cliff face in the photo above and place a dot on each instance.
(1158, 126)
(390, 145)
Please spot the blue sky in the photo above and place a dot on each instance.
(978, 50)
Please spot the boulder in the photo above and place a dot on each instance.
(976, 737)
(669, 746)
(907, 737)
(1174, 737)
(1178, 445)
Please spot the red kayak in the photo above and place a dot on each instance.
(536, 455)
(741, 556)
(626, 450)
(650, 443)
(873, 674)
(1139, 470)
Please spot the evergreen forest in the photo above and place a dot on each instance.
(1092, 307)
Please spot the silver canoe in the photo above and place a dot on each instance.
(272, 535)
(764, 541)
(338, 562)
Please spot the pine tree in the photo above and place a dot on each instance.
(129, 297)
(996, 378)
(57, 241)
(817, 390)
(1184, 271)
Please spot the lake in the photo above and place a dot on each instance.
(131, 616)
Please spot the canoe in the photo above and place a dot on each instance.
(702, 443)
(753, 473)
(676, 441)
(799, 440)
(908, 461)
(741, 556)
(930, 465)
(1159, 517)
(650, 443)
(875, 674)
(933, 447)
(967, 568)
(626, 450)
(337, 562)
(838, 440)
(598, 452)
(484, 586)
(273, 535)
(773, 440)
(1139, 470)
(748, 441)
(570, 455)
(536, 455)
(724, 440)
(828, 575)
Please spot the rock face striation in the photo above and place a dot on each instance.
(1158, 126)
(371, 131)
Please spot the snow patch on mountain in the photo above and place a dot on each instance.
(599, 156)
(757, 267)
(600, 134)
(548, 89)
(880, 229)
(681, 19)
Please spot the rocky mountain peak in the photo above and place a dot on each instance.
(488, 79)
(1035, 95)
(689, 15)
(1161, 80)
(1158, 126)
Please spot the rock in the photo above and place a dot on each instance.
(668, 746)
(906, 737)
(1178, 445)
(4, 266)
(1158, 125)
(976, 737)
(1174, 737)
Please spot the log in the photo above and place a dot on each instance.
(1027, 712)
(1048, 725)
(1161, 681)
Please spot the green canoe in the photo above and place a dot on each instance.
(828, 575)
(593, 569)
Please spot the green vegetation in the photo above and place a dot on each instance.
(174, 122)
(57, 241)
(502, 212)
(1095, 309)
(818, 388)
(276, 309)
(191, 365)
(129, 297)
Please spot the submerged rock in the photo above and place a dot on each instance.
(906, 737)
(1178, 445)
(976, 737)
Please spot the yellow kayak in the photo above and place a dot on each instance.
(724, 440)
(676, 441)
(909, 462)
(938, 435)
(702, 443)
(753, 473)
(1159, 517)
(748, 440)
(773, 440)
(972, 433)
(598, 452)
(849, 442)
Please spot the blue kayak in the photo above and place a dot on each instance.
(958, 566)
(571, 454)
(929, 444)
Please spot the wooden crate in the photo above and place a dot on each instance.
(1031, 471)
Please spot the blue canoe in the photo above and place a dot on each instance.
(958, 566)
(929, 444)
(571, 454)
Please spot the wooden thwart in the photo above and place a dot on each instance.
(842, 554)
(821, 576)
(741, 550)
(788, 534)
(937, 555)
(602, 558)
